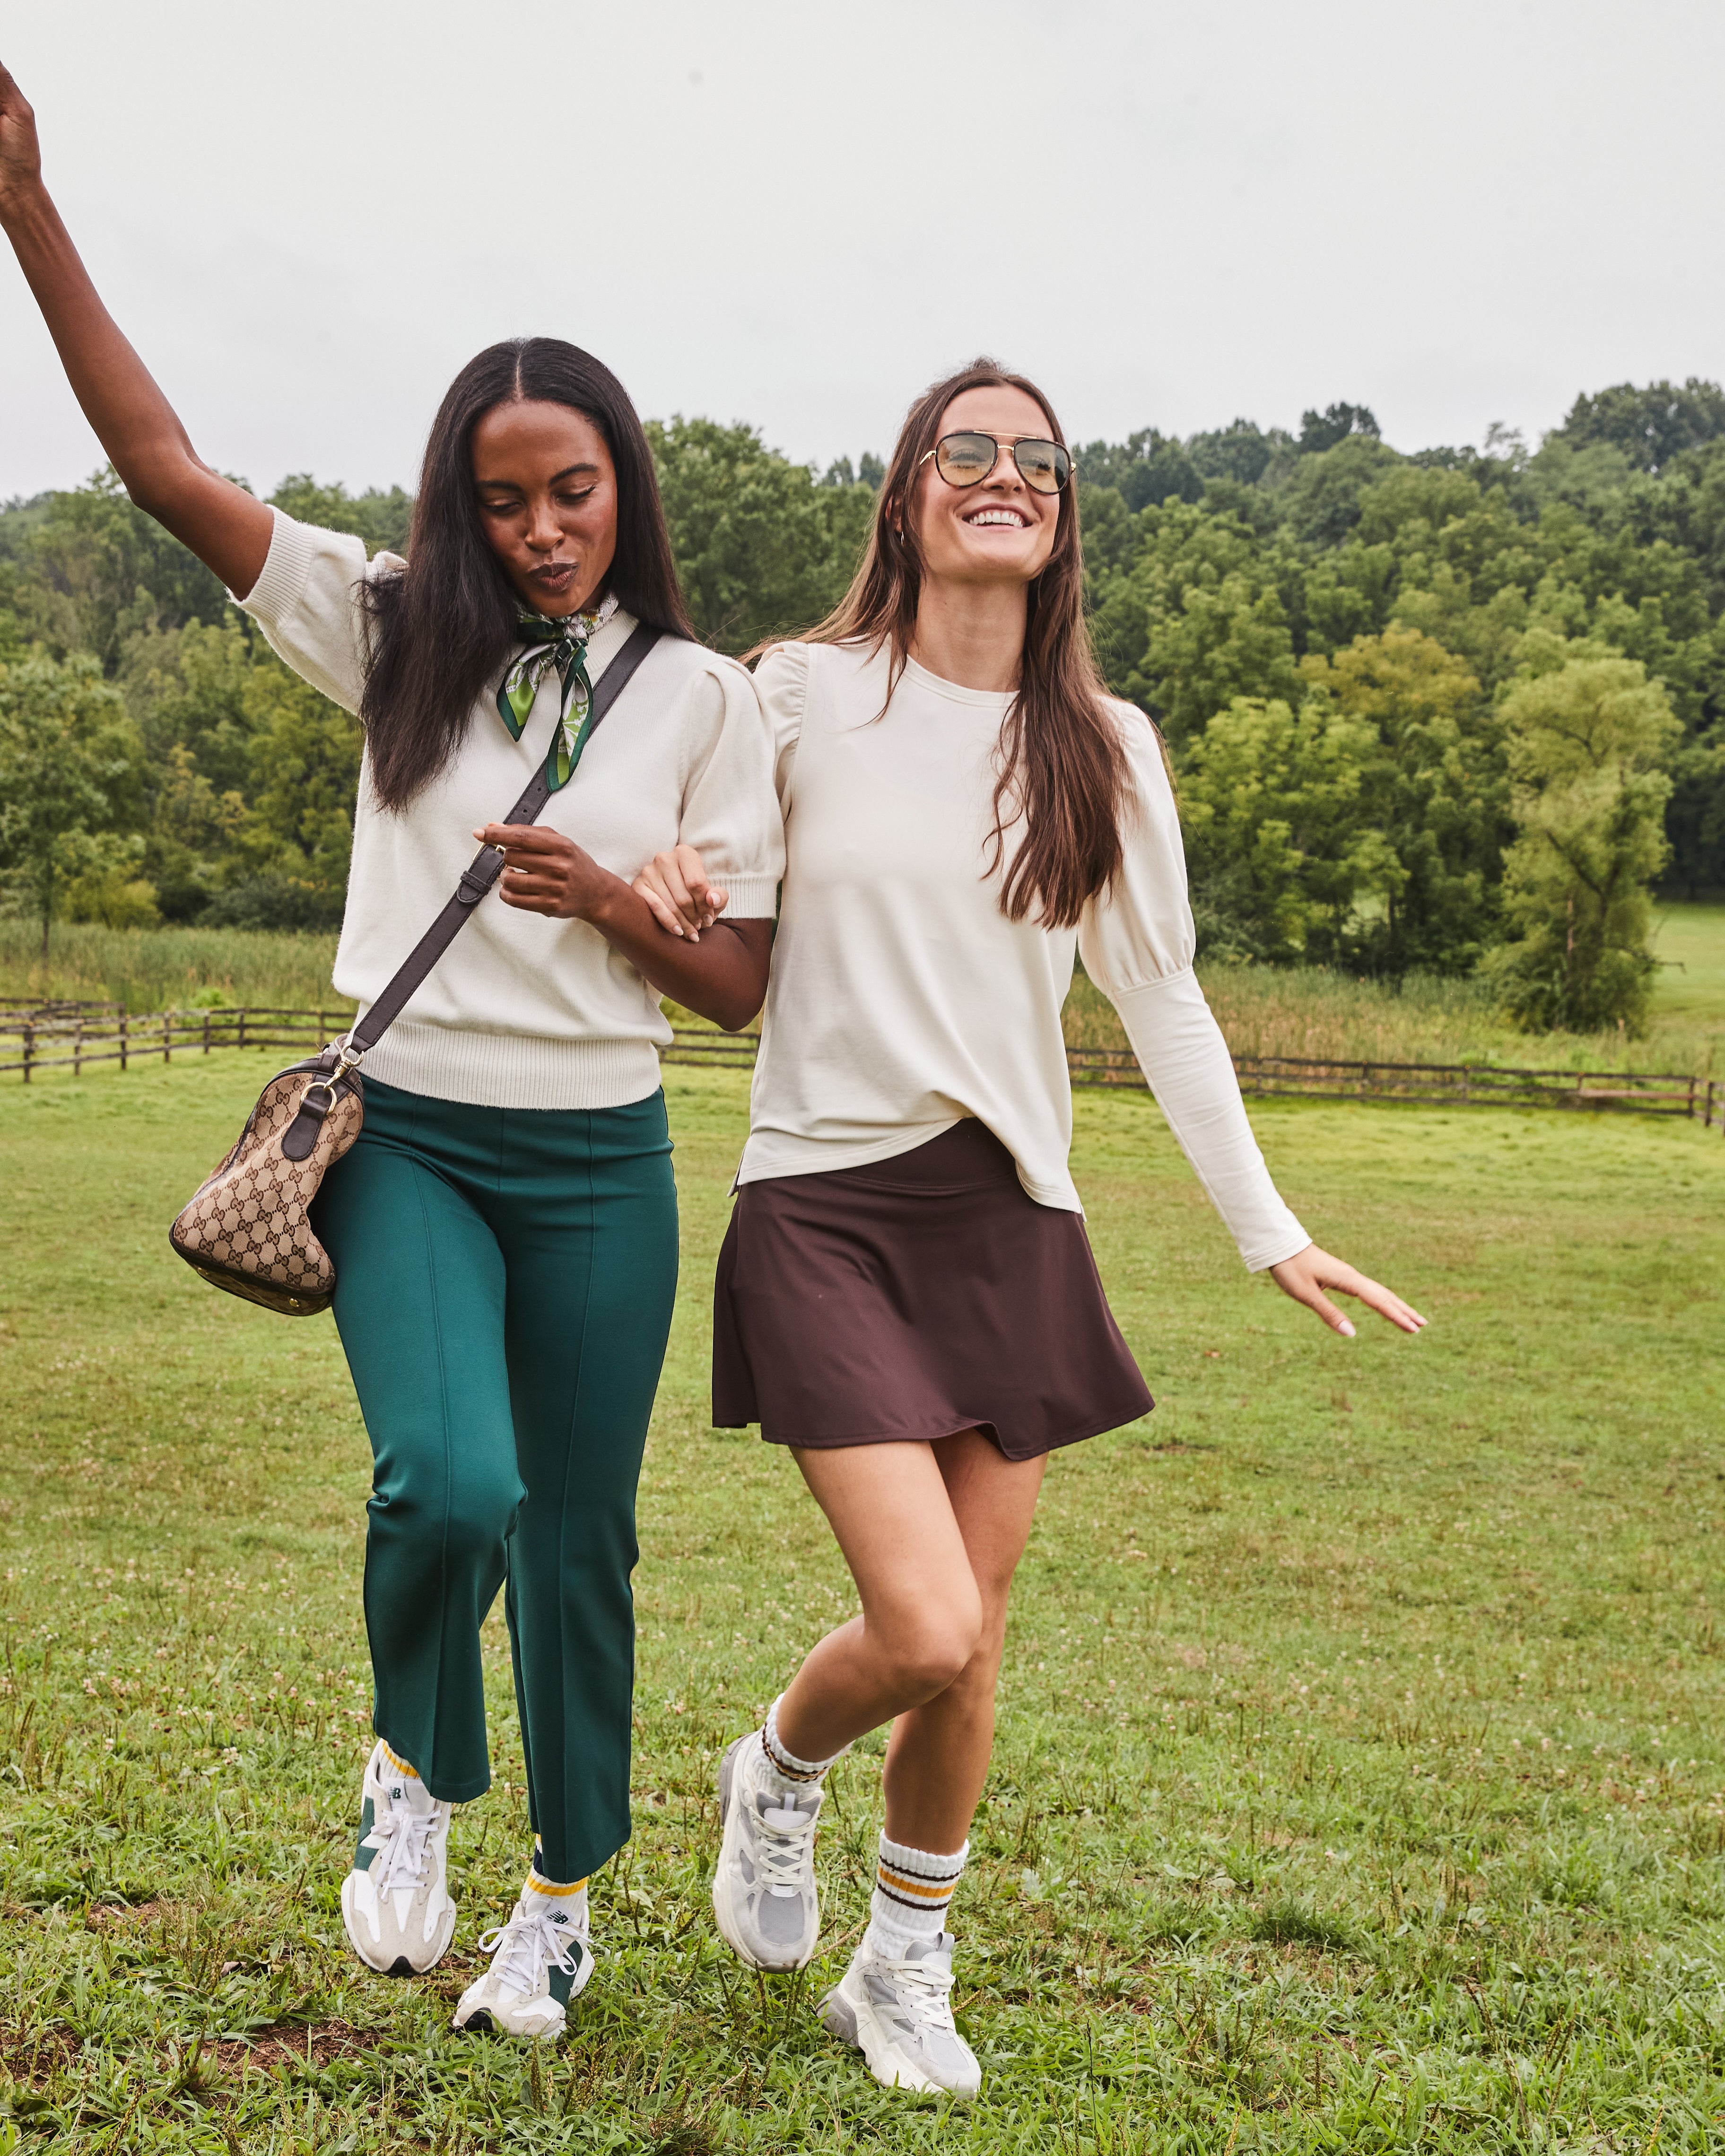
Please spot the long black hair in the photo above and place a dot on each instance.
(441, 629)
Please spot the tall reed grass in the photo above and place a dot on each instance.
(1263, 1010)
(150, 969)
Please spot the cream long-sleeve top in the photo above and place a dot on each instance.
(902, 999)
(524, 1011)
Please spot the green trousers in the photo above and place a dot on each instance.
(504, 1286)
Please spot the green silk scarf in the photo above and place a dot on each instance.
(561, 644)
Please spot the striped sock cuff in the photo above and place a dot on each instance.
(784, 1760)
(400, 1765)
(915, 1879)
(553, 1889)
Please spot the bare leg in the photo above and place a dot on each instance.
(931, 1534)
(938, 1756)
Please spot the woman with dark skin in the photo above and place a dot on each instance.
(504, 1228)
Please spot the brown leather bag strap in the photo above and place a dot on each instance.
(485, 866)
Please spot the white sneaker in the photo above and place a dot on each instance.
(765, 1899)
(395, 1901)
(899, 2014)
(540, 1959)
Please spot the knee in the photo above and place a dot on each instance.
(451, 1522)
(930, 1648)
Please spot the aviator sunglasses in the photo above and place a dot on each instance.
(968, 460)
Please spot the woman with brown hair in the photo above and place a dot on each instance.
(907, 1297)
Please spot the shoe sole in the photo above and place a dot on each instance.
(728, 1930)
(482, 2022)
(859, 2028)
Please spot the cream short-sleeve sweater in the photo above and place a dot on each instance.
(523, 1011)
(902, 999)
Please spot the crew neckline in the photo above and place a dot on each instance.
(992, 699)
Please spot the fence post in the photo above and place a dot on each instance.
(29, 1047)
(242, 1025)
(78, 1049)
(1706, 1120)
(125, 1042)
(166, 1037)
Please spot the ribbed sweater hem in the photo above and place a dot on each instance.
(771, 1154)
(513, 1070)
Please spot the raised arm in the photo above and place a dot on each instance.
(227, 528)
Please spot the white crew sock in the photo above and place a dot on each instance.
(540, 1895)
(783, 1762)
(913, 1891)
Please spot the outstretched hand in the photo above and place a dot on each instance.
(20, 154)
(1307, 1276)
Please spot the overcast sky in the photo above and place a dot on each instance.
(308, 217)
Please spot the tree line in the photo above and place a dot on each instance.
(1444, 711)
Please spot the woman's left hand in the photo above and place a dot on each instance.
(1307, 1275)
(544, 872)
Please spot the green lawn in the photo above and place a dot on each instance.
(1689, 942)
(1361, 1781)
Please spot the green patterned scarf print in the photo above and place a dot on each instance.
(562, 643)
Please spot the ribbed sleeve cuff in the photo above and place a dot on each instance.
(752, 897)
(286, 568)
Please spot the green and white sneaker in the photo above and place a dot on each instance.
(899, 2014)
(540, 1959)
(395, 1901)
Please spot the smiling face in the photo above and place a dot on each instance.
(547, 490)
(999, 531)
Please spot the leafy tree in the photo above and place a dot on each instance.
(115, 570)
(1588, 737)
(1649, 426)
(761, 546)
(187, 687)
(1147, 467)
(1197, 620)
(1242, 452)
(1320, 431)
(289, 867)
(69, 760)
(381, 516)
(1320, 501)
(1436, 791)
(1281, 849)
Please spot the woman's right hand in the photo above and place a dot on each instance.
(20, 153)
(680, 895)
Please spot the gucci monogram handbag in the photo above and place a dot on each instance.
(245, 1228)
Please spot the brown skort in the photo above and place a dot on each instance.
(914, 1298)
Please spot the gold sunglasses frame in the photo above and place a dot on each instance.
(1010, 443)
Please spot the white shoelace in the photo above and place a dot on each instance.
(781, 1843)
(521, 1944)
(926, 1988)
(403, 1840)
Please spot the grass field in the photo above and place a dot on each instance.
(1264, 1010)
(1361, 1781)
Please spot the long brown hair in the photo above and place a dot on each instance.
(1060, 764)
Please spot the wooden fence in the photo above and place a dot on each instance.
(66, 1036)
